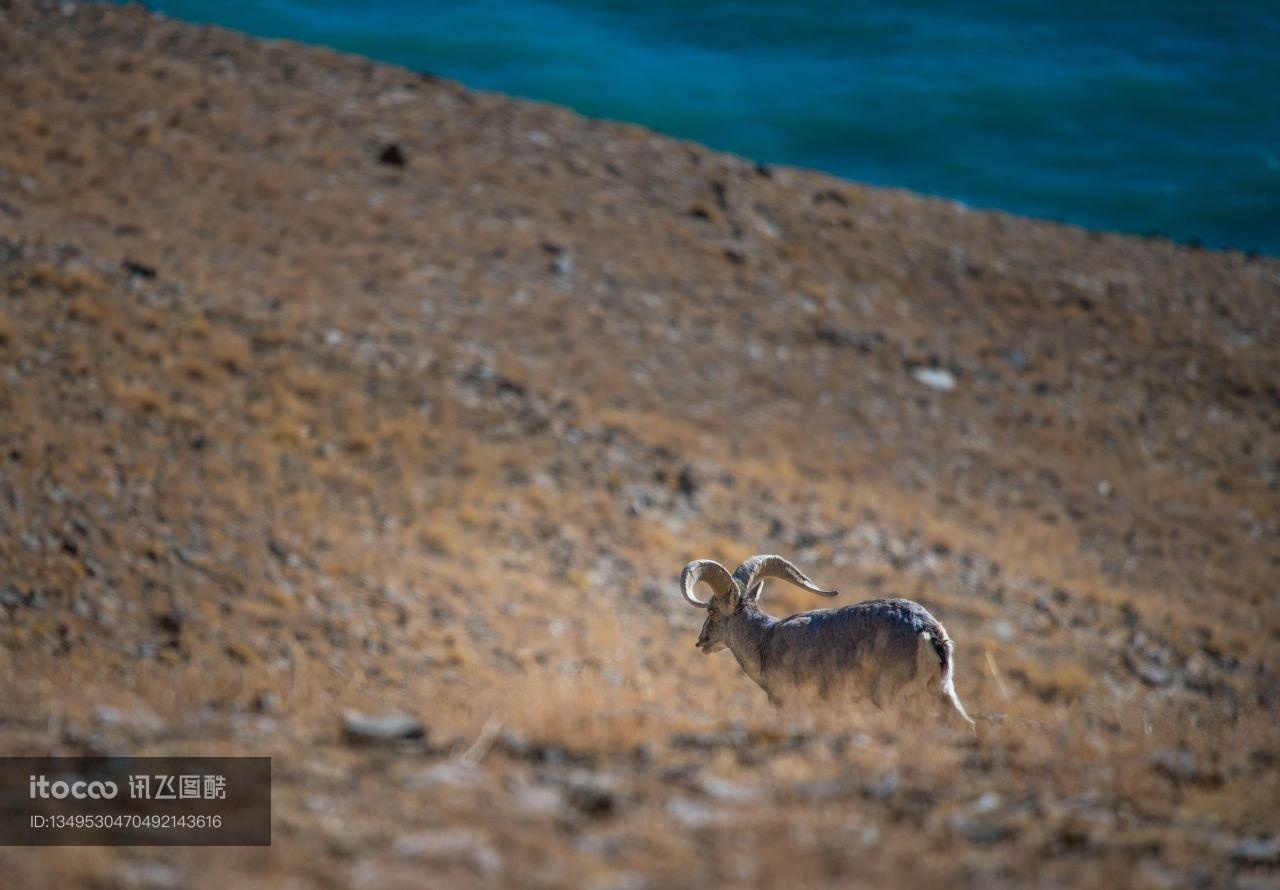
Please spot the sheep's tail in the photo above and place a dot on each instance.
(945, 648)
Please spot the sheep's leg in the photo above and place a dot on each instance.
(903, 690)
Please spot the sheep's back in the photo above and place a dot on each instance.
(866, 650)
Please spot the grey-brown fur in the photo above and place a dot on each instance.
(886, 651)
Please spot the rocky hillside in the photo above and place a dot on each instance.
(332, 390)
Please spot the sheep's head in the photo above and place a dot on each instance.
(735, 594)
(720, 610)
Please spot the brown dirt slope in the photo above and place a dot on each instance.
(286, 430)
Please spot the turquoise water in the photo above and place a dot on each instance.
(1147, 117)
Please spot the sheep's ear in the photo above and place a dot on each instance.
(753, 595)
(730, 600)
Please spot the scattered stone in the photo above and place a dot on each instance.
(863, 341)
(729, 791)
(139, 270)
(136, 720)
(989, 801)
(451, 772)
(823, 790)
(561, 261)
(721, 195)
(981, 828)
(540, 800)
(266, 702)
(935, 378)
(1154, 676)
(520, 748)
(170, 622)
(1180, 765)
(689, 813)
(381, 728)
(830, 196)
(1257, 851)
(708, 741)
(599, 846)
(450, 845)
(1149, 673)
(88, 743)
(592, 794)
(884, 787)
(1003, 630)
(686, 484)
(1199, 672)
(392, 155)
(153, 875)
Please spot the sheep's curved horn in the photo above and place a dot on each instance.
(716, 576)
(751, 574)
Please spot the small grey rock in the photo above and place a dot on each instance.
(382, 727)
(935, 378)
(138, 719)
(689, 813)
(884, 787)
(450, 845)
(451, 772)
(1257, 851)
(1179, 764)
(593, 794)
(151, 875)
(981, 829)
(729, 791)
